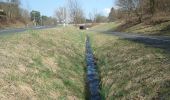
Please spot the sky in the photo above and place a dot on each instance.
(48, 7)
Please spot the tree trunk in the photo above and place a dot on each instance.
(152, 7)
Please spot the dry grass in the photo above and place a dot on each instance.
(158, 29)
(138, 28)
(131, 71)
(9, 25)
(106, 26)
(41, 65)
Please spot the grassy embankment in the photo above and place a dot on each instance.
(49, 64)
(143, 29)
(129, 70)
(8, 25)
(106, 26)
(42, 64)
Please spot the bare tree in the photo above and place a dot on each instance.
(61, 14)
(11, 8)
(100, 18)
(132, 8)
(144, 9)
(25, 16)
(76, 12)
(91, 16)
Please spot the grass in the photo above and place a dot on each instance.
(158, 29)
(43, 64)
(143, 29)
(50, 64)
(130, 70)
(11, 25)
(106, 26)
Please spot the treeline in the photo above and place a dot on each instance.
(10, 12)
(73, 13)
(42, 20)
(152, 11)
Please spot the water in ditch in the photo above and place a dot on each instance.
(92, 75)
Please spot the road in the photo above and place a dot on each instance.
(16, 30)
(162, 42)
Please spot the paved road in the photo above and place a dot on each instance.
(162, 42)
(16, 30)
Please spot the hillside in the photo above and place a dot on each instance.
(141, 28)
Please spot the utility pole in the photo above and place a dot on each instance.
(64, 17)
(35, 22)
(41, 21)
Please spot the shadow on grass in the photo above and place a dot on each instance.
(125, 26)
(156, 43)
(115, 60)
(164, 31)
(152, 41)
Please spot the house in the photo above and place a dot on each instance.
(2, 15)
(3, 7)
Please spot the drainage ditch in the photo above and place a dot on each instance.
(92, 75)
